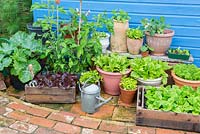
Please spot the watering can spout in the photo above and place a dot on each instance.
(104, 101)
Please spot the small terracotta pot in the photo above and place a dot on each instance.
(160, 42)
(181, 82)
(127, 96)
(111, 81)
(145, 54)
(134, 45)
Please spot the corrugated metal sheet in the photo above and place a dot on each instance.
(182, 15)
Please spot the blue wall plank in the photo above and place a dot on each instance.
(182, 15)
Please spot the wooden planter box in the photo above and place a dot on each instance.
(50, 95)
(163, 119)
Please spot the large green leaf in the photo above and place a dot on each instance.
(6, 61)
(36, 66)
(25, 76)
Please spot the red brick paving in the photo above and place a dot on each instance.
(18, 118)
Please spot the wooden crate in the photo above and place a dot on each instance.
(50, 95)
(156, 118)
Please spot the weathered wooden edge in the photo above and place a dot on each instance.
(163, 119)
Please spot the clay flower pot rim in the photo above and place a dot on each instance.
(184, 80)
(127, 90)
(169, 33)
(116, 21)
(157, 79)
(111, 73)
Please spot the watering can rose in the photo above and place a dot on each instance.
(57, 1)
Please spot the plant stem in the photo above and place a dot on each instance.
(80, 20)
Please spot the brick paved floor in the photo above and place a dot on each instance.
(18, 117)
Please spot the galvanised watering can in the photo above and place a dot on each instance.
(90, 98)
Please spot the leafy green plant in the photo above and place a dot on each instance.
(22, 50)
(134, 33)
(187, 71)
(120, 16)
(148, 68)
(101, 34)
(14, 16)
(112, 63)
(145, 48)
(179, 51)
(175, 99)
(128, 83)
(155, 26)
(91, 77)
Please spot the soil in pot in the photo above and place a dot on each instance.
(111, 81)
(127, 96)
(160, 42)
(134, 45)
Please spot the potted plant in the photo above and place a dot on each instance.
(157, 35)
(149, 71)
(16, 55)
(112, 67)
(178, 53)
(128, 88)
(134, 40)
(145, 49)
(104, 39)
(120, 26)
(90, 77)
(186, 74)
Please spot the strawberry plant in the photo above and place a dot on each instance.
(175, 99)
(187, 71)
(120, 16)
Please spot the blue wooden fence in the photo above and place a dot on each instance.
(182, 15)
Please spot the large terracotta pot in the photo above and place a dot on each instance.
(134, 45)
(111, 81)
(182, 82)
(160, 42)
(118, 39)
(127, 96)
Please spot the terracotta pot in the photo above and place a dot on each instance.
(160, 42)
(145, 54)
(127, 96)
(111, 81)
(181, 82)
(118, 39)
(134, 45)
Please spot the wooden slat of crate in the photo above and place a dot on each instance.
(162, 119)
(50, 95)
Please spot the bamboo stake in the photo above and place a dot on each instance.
(80, 20)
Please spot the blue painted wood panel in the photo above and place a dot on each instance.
(182, 15)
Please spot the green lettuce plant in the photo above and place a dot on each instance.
(134, 33)
(148, 68)
(91, 77)
(175, 99)
(112, 63)
(187, 71)
(128, 83)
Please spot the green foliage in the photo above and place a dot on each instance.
(22, 50)
(154, 26)
(187, 71)
(175, 99)
(134, 33)
(120, 16)
(112, 63)
(145, 48)
(65, 55)
(91, 77)
(14, 16)
(179, 51)
(101, 34)
(128, 83)
(148, 68)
